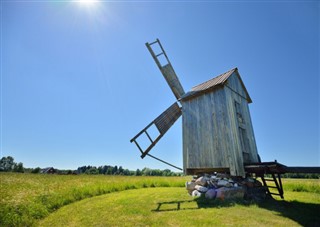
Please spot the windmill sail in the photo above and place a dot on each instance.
(163, 122)
(166, 69)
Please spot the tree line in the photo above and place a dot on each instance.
(115, 170)
(7, 164)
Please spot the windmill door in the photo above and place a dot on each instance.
(243, 137)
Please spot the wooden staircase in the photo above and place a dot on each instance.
(263, 170)
(275, 185)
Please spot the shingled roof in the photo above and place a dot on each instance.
(214, 83)
(219, 80)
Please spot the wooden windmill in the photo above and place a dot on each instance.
(216, 122)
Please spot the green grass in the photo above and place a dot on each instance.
(298, 185)
(173, 207)
(87, 200)
(26, 198)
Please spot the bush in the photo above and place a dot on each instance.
(36, 170)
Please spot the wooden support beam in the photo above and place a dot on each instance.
(196, 171)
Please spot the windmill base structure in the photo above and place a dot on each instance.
(217, 129)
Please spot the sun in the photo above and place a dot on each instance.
(87, 2)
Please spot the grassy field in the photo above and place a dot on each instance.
(26, 198)
(173, 207)
(87, 200)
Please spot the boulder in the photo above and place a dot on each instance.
(230, 193)
(201, 188)
(224, 187)
(190, 185)
(224, 183)
(196, 193)
(211, 194)
(202, 181)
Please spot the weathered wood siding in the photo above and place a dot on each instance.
(204, 131)
(235, 93)
(211, 132)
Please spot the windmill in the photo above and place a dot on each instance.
(216, 126)
(216, 123)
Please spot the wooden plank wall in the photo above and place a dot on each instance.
(210, 129)
(205, 143)
(235, 92)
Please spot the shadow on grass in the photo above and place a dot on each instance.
(305, 214)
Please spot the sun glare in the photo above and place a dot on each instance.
(87, 2)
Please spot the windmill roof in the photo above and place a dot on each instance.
(214, 83)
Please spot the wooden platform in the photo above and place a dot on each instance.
(275, 167)
(265, 168)
(258, 168)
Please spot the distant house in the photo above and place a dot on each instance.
(48, 170)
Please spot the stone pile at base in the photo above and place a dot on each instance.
(222, 186)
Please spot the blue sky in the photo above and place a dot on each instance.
(77, 82)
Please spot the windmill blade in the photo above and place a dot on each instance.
(166, 69)
(163, 122)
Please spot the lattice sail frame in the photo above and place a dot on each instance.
(163, 122)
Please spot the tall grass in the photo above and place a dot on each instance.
(26, 198)
(302, 185)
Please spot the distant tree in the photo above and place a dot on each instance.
(146, 172)
(132, 172)
(302, 175)
(109, 170)
(155, 172)
(7, 164)
(82, 169)
(92, 170)
(114, 170)
(138, 172)
(126, 172)
(18, 168)
(120, 170)
(166, 172)
(104, 169)
(36, 170)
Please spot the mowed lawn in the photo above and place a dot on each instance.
(84, 200)
(173, 207)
